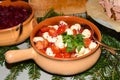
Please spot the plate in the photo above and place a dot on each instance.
(102, 22)
(95, 11)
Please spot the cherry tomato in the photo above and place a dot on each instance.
(87, 42)
(42, 44)
(67, 55)
(59, 55)
(44, 29)
(63, 49)
(39, 45)
(52, 32)
(55, 49)
(81, 30)
(45, 43)
(74, 32)
(61, 29)
(43, 51)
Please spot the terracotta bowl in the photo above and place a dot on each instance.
(61, 66)
(16, 34)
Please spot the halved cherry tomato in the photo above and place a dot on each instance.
(43, 51)
(45, 43)
(81, 30)
(52, 32)
(61, 29)
(42, 44)
(39, 45)
(74, 31)
(67, 55)
(87, 42)
(55, 49)
(59, 55)
(44, 29)
(63, 49)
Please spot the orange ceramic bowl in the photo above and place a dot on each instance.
(61, 66)
(11, 36)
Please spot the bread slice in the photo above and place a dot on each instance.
(61, 6)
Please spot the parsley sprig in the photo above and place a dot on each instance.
(73, 41)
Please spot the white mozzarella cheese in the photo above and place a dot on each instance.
(69, 31)
(81, 51)
(35, 39)
(92, 45)
(76, 27)
(59, 42)
(87, 50)
(86, 33)
(63, 23)
(49, 52)
(49, 38)
(45, 35)
(55, 26)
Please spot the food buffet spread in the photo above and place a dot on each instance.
(90, 49)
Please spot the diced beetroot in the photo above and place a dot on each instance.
(12, 15)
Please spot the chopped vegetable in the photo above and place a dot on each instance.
(13, 15)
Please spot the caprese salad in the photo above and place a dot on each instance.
(65, 41)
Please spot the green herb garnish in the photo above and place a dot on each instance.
(73, 41)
